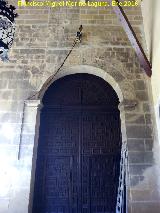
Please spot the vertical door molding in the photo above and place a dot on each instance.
(28, 146)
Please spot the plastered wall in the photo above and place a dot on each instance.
(151, 20)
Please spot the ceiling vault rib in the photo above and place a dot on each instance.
(133, 39)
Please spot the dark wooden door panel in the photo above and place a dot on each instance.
(58, 183)
(58, 164)
(100, 132)
(100, 161)
(99, 183)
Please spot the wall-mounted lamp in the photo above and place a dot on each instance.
(79, 34)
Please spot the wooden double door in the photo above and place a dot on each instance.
(78, 159)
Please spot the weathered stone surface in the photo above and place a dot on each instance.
(10, 117)
(145, 207)
(146, 107)
(141, 157)
(138, 169)
(135, 180)
(43, 39)
(143, 195)
(139, 85)
(142, 95)
(130, 105)
(28, 139)
(136, 145)
(139, 131)
(133, 118)
(148, 144)
(148, 119)
(3, 84)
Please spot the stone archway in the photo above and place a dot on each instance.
(32, 115)
(79, 147)
(97, 72)
(84, 69)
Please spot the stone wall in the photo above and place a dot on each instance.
(43, 38)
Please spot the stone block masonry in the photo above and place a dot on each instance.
(43, 37)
